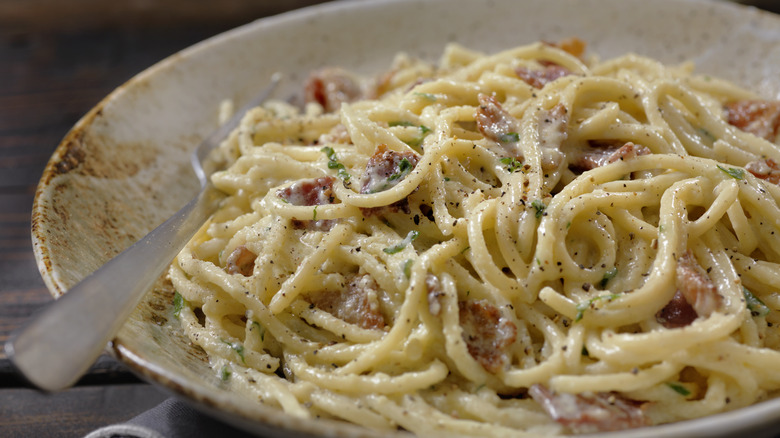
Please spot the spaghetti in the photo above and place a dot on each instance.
(518, 243)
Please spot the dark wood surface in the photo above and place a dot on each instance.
(57, 60)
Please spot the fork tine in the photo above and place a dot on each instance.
(200, 153)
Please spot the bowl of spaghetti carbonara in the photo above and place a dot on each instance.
(476, 219)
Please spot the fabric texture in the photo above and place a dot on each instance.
(170, 419)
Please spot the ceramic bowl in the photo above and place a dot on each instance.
(124, 167)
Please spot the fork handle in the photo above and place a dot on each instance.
(60, 343)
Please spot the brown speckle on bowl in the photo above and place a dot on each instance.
(72, 157)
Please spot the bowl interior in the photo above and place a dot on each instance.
(124, 168)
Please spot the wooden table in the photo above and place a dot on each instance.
(57, 60)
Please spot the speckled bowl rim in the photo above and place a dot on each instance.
(271, 421)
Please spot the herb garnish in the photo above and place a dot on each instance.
(609, 275)
(238, 348)
(426, 96)
(404, 167)
(416, 141)
(260, 329)
(539, 206)
(509, 137)
(408, 268)
(678, 388)
(582, 307)
(733, 172)
(512, 164)
(225, 373)
(707, 134)
(402, 244)
(334, 163)
(178, 303)
(754, 304)
(400, 123)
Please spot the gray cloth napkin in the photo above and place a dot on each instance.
(170, 419)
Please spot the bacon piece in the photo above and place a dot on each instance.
(434, 294)
(337, 134)
(241, 261)
(600, 154)
(382, 83)
(574, 46)
(538, 78)
(356, 304)
(588, 412)
(311, 225)
(767, 170)
(496, 124)
(487, 333)
(677, 313)
(317, 191)
(627, 152)
(758, 117)
(696, 295)
(384, 170)
(330, 87)
(697, 288)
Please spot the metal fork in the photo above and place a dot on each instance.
(59, 344)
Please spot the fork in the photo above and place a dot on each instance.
(59, 344)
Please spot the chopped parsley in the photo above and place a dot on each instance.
(539, 206)
(225, 373)
(733, 172)
(260, 330)
(416, 141)
(400, 123)
(402, 244)
(333, 163)
(755, 305)
(314, 215)
(678, 388)
(585, 305)
(707, 135)
(509, 137)
(178, 303)
(408, 268)
(404, 167)
(238, 348)
(426, 96)
(512, 164)
(609, 275)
